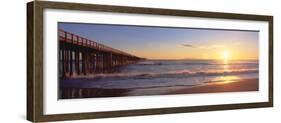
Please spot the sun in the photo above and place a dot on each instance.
(225, 56)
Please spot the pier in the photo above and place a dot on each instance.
(82, 56)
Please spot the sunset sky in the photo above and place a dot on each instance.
(171, 43)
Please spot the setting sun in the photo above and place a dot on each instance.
(225, 55)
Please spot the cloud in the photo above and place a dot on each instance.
(204, 47)
(188, 45)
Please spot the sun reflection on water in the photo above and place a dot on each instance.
(226, 79)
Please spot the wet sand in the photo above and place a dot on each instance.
(208, 87)
(236, 86)
(76, 93)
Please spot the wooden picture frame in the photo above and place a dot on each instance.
(35, 60)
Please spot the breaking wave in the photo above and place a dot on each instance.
(171, 74)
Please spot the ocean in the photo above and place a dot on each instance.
(168, 73)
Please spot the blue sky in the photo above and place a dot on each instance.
(170, 43)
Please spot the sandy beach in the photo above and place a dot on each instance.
(208, 87)
(236, 86)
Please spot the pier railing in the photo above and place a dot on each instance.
(78, 40)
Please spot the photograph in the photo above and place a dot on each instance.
(107, 60)
(91, 61)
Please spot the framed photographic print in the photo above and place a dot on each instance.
(95, 61)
